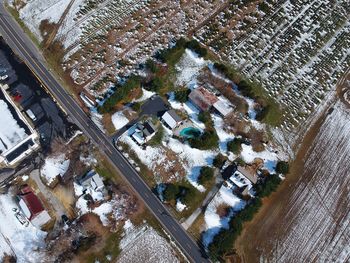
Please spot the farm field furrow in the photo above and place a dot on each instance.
(311, 224)
(298, 51)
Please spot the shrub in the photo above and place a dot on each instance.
(171, 192)
(186, 194)
(151, 65)
(181, 95)
(264, 7)
(205, 117)
(121, 93)
(208, 140)
(156, 84)
(206, 174)
(235, 146)
(158, 137)
(136, 106)
(282, 167)
(263, 113)
(196, 47)
(219, 160)
(268, 186)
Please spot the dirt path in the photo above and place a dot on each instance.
(315, 190)
(58, 25)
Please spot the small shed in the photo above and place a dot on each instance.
(222, 108)
(32, 207)
(171, 119)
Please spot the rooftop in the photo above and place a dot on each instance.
(203, 98)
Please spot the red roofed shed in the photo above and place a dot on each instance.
(203, 98)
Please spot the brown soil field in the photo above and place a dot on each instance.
(307, 219)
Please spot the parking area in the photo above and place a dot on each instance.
(32, 100)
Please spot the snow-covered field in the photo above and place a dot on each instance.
(119, 120)
(189, 68)
(144, 244)
(213, 221)
(54, 166)
(110, 212)
(16, 239)
(34, 12)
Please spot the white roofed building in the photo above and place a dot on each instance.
(171, 119)
(17, 138)
(222, 108)
(91, 180)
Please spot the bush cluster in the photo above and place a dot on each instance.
(181, 95)
(173, 192)
(235, 145)
(156, 84)
(282, 167)
(219, 160)
(172, 55)
(222, 243)
(121, 93)
(209, 138)
(206, 174)
(196, 47)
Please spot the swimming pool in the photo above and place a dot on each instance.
(190, 132)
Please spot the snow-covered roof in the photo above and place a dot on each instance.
(16, 135)
(222, 108)
(92, 180)
(248, 174)
(239, 179)
(11, 133)
(138, 137)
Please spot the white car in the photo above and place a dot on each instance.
(4, 77)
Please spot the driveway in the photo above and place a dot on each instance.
(49, 196)
(154, 106)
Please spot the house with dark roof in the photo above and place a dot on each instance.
(32, 207)
(91, 180)
(143, 132)
(171, 119)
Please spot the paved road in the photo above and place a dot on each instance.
(24, 47)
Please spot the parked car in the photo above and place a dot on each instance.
(20, 217)
(4, 77)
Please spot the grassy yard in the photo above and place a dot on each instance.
(111, 249)
(145, 173)
(15, 15)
